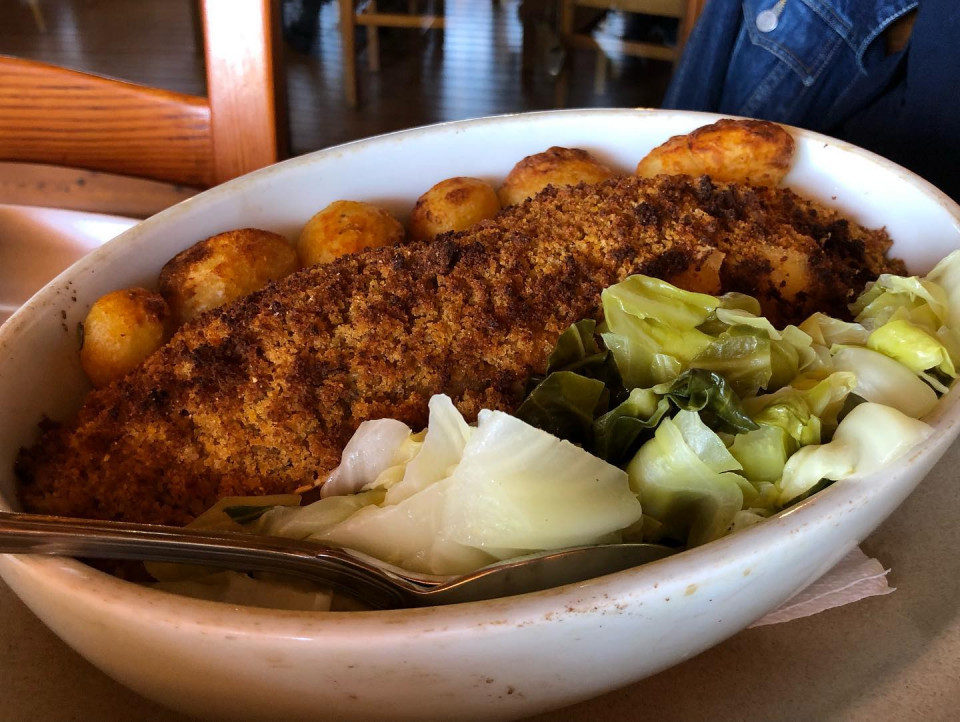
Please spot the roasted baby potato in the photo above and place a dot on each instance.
(121, 329)
(452, 205)
(555, 166)
(222, 268)
(757, 152)
(346, 227)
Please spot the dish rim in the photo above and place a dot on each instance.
(122, 596)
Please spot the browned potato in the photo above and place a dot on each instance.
(121, 329)
(747, 151)
(556, 166)
(452, 205)
(346, 227)
(701, 278)
(790, 272)
(222, 268)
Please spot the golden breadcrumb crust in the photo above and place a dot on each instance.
(260, 396)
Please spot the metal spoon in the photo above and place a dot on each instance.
(378, 585)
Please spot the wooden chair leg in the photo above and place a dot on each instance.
(566, 20)
(373, 42)
(600, 73)
(38, 15)
(348, 51)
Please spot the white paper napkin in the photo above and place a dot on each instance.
(855, 577)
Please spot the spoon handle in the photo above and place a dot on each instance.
(62, 536)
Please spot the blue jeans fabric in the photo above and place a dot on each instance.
(824, 67)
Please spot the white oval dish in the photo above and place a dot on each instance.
(499, 659)
(37, 243)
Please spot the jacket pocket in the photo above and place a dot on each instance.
(779, 74)
(806, 38)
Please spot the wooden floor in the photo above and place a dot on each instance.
(473, 68)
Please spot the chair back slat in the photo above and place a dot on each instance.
(53, 115)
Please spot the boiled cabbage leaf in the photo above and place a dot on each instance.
(517, 487)
(883, 380)
(807, 408)
(913, 346)
(446, 435)
(870, 436)
(582, 381)
(708, 392)
(694, 499)
(641, 297)
(946, 274)
(565, 404)
(763, 452)
(303, 522)
(826, 331)
(577, 350)
(616, 434)
(410, 534)
(510, 489)
(650, 326)
(742, 317)
(741, 355)
(376, 448)
(919, 300)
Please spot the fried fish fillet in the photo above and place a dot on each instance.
(260, 396)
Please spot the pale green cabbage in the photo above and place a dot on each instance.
(446, 436)
(763, 452)
(883, 380)
(378, 450)
(919, 300)
(913, 346)
(870, 436)
(643, 297)
(826, 331)
(683, 478)
(806, 408)
(518, 487)
(469, 497)
(650, 327)
(946, 274)
(411, 534)
(742, 317)
(741, 354)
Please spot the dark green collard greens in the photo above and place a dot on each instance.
(583, 399)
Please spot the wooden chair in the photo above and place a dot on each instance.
(52, 115)
(686, 11)
(365, 13)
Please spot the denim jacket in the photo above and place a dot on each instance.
(799, 72)
(824, 67)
